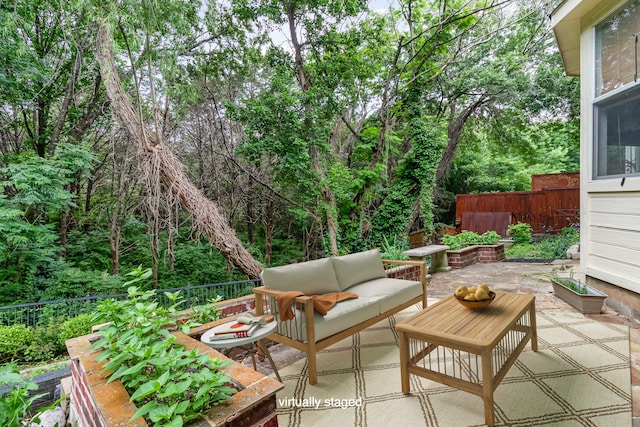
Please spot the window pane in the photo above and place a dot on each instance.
(616, 48)
(617, 122)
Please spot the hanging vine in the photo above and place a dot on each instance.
(415, 181)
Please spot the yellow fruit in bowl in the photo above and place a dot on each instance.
(483, 286)
(472, 290)
(481, 294)
(470, 297)
(461, 291)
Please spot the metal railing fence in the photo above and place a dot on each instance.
(32, 314)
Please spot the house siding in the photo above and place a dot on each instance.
(609, 208)
(613, 245)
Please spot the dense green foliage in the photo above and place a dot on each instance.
(315, 127)
(44, 342)
(14, 340)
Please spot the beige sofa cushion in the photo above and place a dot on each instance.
(357, 268)
(343, 315)
(388, 292)
(311, 277)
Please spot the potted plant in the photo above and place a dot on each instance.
(579, 295)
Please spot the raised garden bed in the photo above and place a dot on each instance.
(470, 255)
(98, 402)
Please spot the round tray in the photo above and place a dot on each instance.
(475, 305)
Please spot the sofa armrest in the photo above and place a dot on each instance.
(266, 292)
(301, 328)
(423, 277)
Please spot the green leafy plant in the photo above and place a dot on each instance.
(467, 238)
(16, 403)
(169, 384)
(521, 232)
(393, 250)
(206, 312)
(547, 248)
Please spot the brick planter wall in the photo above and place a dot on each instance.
(491, 253)
(462, 257)
(478, 253)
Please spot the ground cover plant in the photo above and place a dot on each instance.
(547, 247)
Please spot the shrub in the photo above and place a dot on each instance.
(75, 327)
(14, 340)
(521, 232)
(45, 344)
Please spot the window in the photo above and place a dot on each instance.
(617, 103)
(617, 49)
(618, 134)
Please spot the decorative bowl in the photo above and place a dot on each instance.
(476, 305)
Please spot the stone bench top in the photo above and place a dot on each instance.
(425, 250)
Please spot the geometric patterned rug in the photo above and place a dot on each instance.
(580, 376)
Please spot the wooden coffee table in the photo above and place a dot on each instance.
(467, 349)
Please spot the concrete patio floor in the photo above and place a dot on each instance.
(523, 277)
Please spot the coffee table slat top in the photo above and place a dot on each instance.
(448, 321)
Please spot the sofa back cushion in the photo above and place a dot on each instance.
(311, 277)
(357, 268)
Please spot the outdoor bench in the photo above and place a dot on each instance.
(437, 253)
(371, 295)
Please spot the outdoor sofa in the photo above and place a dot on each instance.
(362, 278)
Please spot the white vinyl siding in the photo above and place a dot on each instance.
(613, 248)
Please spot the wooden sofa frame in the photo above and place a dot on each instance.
(294, 339)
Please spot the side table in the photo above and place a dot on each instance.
(255, 340)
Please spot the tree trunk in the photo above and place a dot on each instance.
(327, 194)
(249, 209)
(268, 231)
(155, 230)
(206, 217)
(114, 238)
(454, 132)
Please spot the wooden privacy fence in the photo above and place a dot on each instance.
(547, 211)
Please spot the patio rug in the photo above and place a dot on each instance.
(580, 375)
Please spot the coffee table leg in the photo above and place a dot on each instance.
(487, 389)
(534, 329)
(404, 361)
